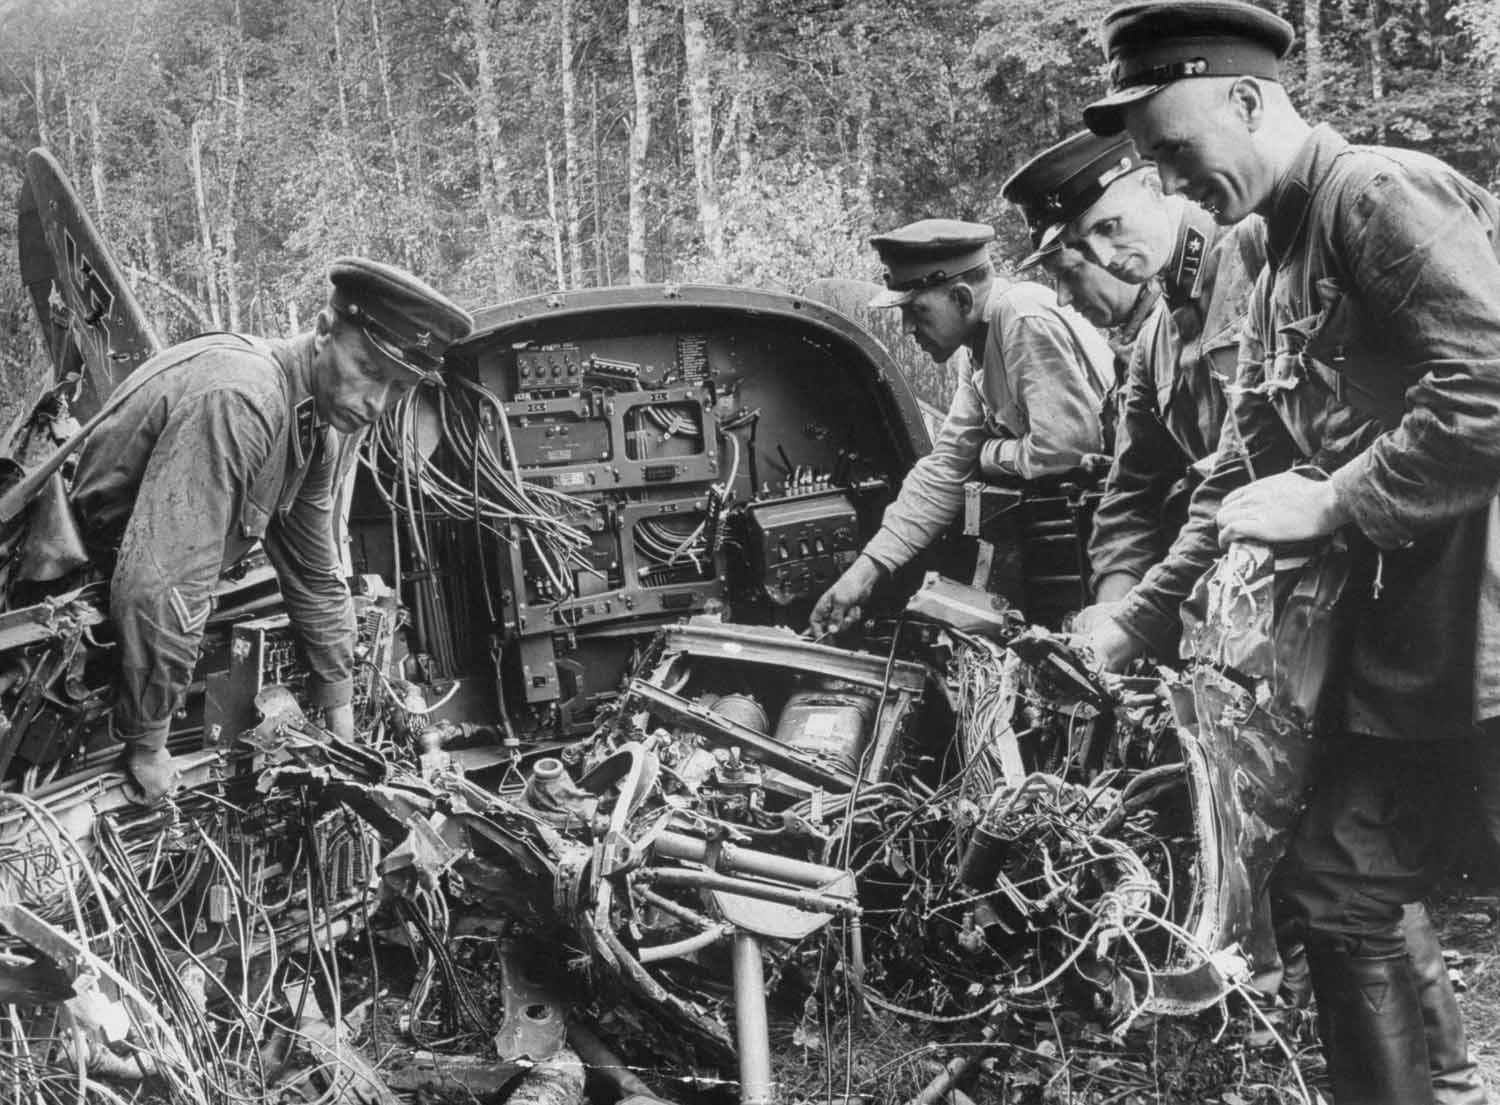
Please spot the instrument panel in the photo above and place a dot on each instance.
(710, 450)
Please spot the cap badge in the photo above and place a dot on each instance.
(422, 341)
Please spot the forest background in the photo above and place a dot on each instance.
(229, 149)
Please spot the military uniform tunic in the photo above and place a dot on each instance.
(1372, 352)
(1172, 412)
(215, 447)
(1122, 339)
(1035, 394)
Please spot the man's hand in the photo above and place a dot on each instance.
(839, 606)
(1110, 644)
(1280, 509)
(1088, 620)
(339, 720)
(1096, 465)
(151, 773)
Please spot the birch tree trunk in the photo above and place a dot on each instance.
(1377, 69)
(572, 190)
(697, 51)
(557, 234)
(39, 99)
(207, 268)
(640, 144)
(602, 274)
(69, 126)
(346, 129)
(383, 69)
(1312, 53)
(493, 171)
(229, 220)
(96, 159)
(744, 101)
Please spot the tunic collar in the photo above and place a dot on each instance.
(296, 359)
(1293, 194)
(981, 336)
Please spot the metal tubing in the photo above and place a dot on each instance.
(856, 953)
(944, 1085)
(805, 900)
(605, 1063)
(777, 648)
(743, 861)
(675, 909)
(752, 1032)
(694, 943)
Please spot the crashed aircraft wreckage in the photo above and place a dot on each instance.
(611, 827)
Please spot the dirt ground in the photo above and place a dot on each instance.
(1469, 924)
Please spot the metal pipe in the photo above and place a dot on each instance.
(745, 861)
(944, 1085)
(805, 900)
(686, 946)
(856, 954)
(751, 1029)
(598, 1057)
(675, 909)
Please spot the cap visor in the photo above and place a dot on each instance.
(1107, 116)
(397, 366)
(1036, 257)
(890, 299)
(1048, 244)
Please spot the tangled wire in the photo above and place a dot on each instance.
(402, 455)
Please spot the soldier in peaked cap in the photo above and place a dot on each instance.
(1371, 353)
(1113, 214)
(1044, 189)
(224, 441)
(1095, 199)
(1029, 408)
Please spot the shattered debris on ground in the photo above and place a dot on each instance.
(956, 866)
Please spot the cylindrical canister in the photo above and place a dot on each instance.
(829, 725)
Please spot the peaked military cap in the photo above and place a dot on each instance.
(407, 321)
(1064, 181)
(1152, 44)
(927, 253)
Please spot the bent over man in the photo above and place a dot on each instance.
(1029, 409)
(1367, 400)
(226, 440)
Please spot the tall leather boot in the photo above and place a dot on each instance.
(1455, 1077)
(1371, 1025)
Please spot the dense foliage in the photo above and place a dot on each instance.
(231, 148)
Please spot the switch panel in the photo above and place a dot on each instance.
(803, 543)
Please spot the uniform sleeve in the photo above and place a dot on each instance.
(301, 546)
(1127, 524)
(1422, 264)
(1252, 441)
(1054, 389)
(933, 492)
(190, 501)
